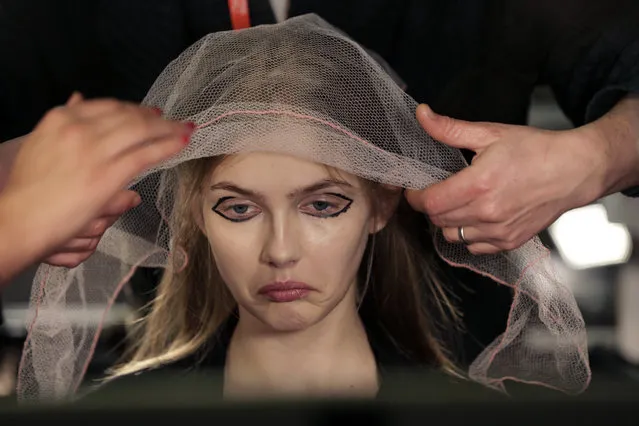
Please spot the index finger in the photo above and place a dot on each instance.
(92, 108)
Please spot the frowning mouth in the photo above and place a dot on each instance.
(282, 292)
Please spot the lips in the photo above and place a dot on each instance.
(282, 292)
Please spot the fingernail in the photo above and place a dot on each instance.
(137, 201)
(156, 111)
(190, 127)
(429, 112)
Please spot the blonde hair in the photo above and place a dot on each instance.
(404, 294)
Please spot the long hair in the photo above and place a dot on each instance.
(403, 294)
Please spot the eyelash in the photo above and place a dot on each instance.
(223, 212)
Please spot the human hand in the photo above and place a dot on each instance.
(519, 182)
(83, 245)
(80, 248)
(68, 180)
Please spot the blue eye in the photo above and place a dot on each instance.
(321, 205)
(230, 208)
(328, 205)
(240, 209)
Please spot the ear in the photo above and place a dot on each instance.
(389, 198)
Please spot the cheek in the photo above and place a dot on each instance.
(335, 246)
(233, 249)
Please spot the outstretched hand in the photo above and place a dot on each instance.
(519, 182)
(68, 181)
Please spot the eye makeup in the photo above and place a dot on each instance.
(240, 211)
(321, 206)
(327, 205)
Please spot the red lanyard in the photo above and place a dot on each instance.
(239, 10)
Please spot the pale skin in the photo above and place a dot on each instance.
(295, 223)
(67, 180)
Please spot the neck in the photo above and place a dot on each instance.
(332, 357)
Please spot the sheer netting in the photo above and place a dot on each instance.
(310, 80)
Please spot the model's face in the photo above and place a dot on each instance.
(287, 236)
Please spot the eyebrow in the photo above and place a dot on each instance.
(317, 186)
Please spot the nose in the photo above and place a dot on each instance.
(281, 247)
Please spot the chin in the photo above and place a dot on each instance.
(281, 317)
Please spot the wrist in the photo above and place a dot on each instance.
(614, 138)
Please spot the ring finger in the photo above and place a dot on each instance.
(471, 234)
(475, 239)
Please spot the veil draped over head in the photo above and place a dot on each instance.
(348, 112)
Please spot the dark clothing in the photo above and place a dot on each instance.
(481, 60)
(113, 48)
(476, 60)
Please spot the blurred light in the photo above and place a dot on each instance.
(586, 239)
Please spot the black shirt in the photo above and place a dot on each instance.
(102, 48)
(480, 60)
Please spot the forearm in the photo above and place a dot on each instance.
(616, 139)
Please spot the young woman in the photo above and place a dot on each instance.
(300, 278)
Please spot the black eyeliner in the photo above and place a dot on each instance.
(344, 210)
(229, 218)
(220, 201)
(343, 197)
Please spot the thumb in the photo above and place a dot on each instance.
(457, 133)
